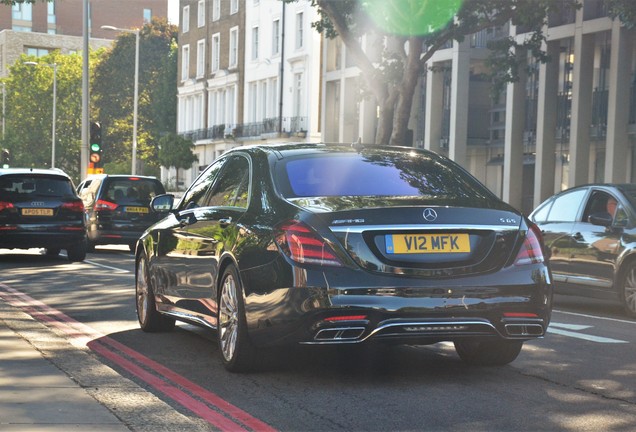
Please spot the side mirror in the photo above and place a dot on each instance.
(601, 218)
(162, 203)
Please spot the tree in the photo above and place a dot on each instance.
(176, 152)
(625, 10)
(112, 91)
(29, 111)
(411, 31)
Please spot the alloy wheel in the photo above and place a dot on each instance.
(630, 290)
(142, 291)
(228, 317)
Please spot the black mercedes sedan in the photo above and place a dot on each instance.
(276, 245)
(590, 231)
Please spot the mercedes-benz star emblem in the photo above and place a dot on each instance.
(430, 215)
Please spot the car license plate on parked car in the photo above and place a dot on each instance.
(136, 209)
(37, 212)
(427, 243)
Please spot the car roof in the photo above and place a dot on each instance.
(104, 176)
(283, 150)
(38, 171)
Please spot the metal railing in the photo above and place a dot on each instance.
(290, 125)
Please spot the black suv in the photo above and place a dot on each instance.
(39, 208)
(117, 207)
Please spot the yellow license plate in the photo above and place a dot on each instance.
(136, 209)
(427, 243)
(37, 212)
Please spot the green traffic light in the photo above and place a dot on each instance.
(95, 147)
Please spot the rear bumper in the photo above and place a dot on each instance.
(346, 306)
(40, 239)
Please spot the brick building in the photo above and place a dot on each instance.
(42, 27)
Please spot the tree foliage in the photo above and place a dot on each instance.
(29, 111)
(624, 10)
(113, 94)
(392, 75)
(176, 152)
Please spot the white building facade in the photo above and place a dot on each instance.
(249, 72)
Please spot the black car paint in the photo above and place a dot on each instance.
(65, 229)
(114, 226)
(286, 302)
(588, 258)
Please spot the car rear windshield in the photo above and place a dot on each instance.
(377, 174)
(25, 187)
(127, 190)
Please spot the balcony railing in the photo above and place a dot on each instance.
(290, 125)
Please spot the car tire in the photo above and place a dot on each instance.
(52, 252)
(237, 352)
(90, 246)
(150, 320)
(76, 253)
(488, 352)
(627, 288)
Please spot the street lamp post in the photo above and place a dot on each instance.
(54, 66)
(136, 91)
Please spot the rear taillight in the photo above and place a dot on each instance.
(531, 251)
(304, 245)
(5, 205)
(105, 205)
(76, 206)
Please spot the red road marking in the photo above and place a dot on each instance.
(225, 416)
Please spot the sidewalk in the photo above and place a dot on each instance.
(37, 396)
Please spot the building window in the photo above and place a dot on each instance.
(185, 23)
(21, 28)
(234, 41)
(22, 12)
(201, 13)
(255, 43)
(200, 58)
(298, 94)
(299, 30)
(147, 15)
(234, 5)
(216, 10)
(253, 102)
(36, 52)
(276, 37)
(216, 51)
(185, 62)
(50, 12)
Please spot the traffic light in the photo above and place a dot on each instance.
(5, 158)
(95, 146)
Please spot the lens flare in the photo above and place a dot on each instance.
(411, 17)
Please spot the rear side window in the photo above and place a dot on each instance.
(377, 174)
(26, 187)
(566, 207)
(133, 190)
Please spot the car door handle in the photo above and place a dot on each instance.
(225, 222)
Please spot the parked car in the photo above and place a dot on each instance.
(320, 244)
(40, 209)
(117, 207)
(590, 232)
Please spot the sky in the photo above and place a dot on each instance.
(173, 11)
